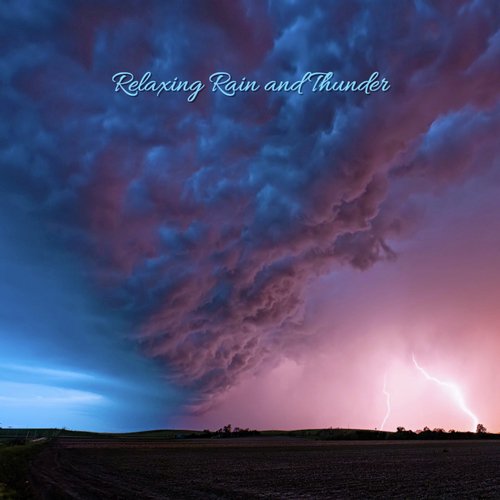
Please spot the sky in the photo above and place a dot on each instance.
(270, 259)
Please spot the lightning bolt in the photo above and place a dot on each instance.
(454, 391)
(387, 402)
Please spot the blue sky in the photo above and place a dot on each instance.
(65, 361)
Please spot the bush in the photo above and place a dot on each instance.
(481, 429)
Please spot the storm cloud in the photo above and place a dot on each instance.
(204, 223)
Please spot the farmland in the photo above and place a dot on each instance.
(143, 466)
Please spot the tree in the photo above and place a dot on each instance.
(481, 429)
(401, 429)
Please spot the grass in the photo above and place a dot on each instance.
(9, 435)
(14, 470)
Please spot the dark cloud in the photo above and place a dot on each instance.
(204, 222)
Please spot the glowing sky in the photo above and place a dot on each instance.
(269, 260)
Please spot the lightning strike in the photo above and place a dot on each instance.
(388, 403)
(454, 391)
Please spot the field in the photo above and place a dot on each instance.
(264, 467)
(15, 469)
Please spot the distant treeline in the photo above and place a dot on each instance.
(341, 434)
(20, 436)
(402, 433)
(224, 432)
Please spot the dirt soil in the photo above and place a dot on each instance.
(266, 468)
